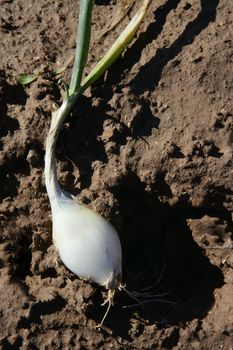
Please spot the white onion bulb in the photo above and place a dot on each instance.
(88, 244)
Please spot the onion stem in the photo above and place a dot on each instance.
(82, 44)
(76, 89)
(50, 171)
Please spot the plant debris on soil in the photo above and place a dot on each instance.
(149, 147)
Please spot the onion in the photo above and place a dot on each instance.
(88, 244)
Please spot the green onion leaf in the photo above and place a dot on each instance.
(82, 44)
(117, 48)
(25, 79)
(59, 70)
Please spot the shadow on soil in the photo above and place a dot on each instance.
(90, 119)
(155, 235)
(9, 94)
(150, 74)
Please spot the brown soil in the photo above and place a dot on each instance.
(149, 147)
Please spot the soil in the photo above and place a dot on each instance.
(149, 147)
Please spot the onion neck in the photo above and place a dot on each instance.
(52, 185)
